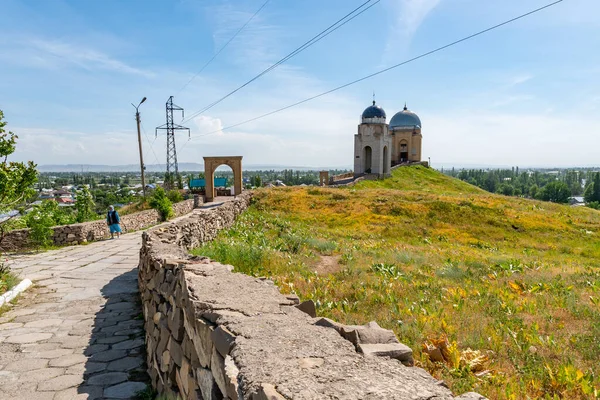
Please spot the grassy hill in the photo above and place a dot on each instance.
(508, 288)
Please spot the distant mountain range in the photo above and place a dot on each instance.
(161, 167)
(254, 167)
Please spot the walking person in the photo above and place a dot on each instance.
(113, 220)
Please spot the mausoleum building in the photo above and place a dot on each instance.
(378, 145)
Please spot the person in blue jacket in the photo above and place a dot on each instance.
(113, 220)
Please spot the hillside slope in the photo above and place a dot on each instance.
(517, 281)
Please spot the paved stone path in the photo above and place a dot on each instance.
(78, 333)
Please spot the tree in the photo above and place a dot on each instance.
(596, 188)
(16, 178)
(556, 192)
(160, 202)
(506, 189)
(85, 206)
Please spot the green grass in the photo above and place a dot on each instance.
(430, 256)
(8, 279)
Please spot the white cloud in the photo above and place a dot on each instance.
(469, 137)
(44, 53)
(408, 15)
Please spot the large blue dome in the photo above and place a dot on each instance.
(373, 112)
(405, 119)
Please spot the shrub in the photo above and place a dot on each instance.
(85, 206)
(160, 202)
(175, 196)
(40, 220)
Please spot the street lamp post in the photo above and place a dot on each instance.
(137, 118)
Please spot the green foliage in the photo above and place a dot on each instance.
(175, 196)
(256, 181)
(160, 202)
(594, 204)
(16, 178)
(85, 206)
(556, 192)
(42, 218)
(512, 182)
(592, 191)
(506, 190)
(7, 278)
(596, 191)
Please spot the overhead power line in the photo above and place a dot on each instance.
(223, 47)
(151, 145)
(321, 35)
(386, 69)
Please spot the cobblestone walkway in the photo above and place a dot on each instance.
(78, 333)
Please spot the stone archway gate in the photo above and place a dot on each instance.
(212, 163)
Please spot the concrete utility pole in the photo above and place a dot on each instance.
(142, 167)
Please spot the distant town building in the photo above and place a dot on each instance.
(378, 145)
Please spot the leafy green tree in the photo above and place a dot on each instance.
(506, 189)
(556, 192)
(85, 206)
(533, 191)
(16, 178)
(160, 202)
(596, 188)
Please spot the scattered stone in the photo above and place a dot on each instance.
(26, 364)
(107, 378)
(43, 323)
(60, 383)
(40, 375)
(396, 351)
(29, 338)
(128, 344)
(108, 355)
(308, 307)
(68, 360)
(223, 340)
(471, 396)
(124, 390)
(125, 364)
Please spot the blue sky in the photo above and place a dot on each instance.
(526, 94)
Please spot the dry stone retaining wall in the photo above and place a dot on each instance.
(215, 334)
(93, 230)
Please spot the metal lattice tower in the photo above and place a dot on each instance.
(172, 176)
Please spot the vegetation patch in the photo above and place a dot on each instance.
(495, 294)
(8, 279)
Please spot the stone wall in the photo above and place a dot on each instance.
(215, 334)
(94, 230)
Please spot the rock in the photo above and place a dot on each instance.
(207, 384)
(125, 390)
(107, 378)
(231, 378)
(471, 396)
(293, 298)
(267, 392)
(60, 383)
(396, 351)
(308, 307)
(223, 340)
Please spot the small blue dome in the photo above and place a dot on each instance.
(405, 119)
(373, 112)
